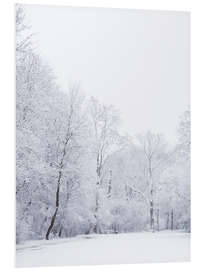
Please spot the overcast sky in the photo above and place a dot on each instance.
(136, 60)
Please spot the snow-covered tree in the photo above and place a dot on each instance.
(104, 121)
(75, 173)
(155, 155)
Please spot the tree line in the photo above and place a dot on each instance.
(76, 173)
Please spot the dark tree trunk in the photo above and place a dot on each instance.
(172, 219)
(152, 215)
(167, 221)
(60, 231)
(68, 137)
(56, 209)
(51, 224)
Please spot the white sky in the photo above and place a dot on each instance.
(137, 60)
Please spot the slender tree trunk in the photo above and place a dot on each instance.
(167, 220)
(57, 206)
(172, 219)
(152, 215)
(157, 219)
(151, 198)
(51, 224)
(96, 227)
(60, 231)
(109, 184)
(68, 137)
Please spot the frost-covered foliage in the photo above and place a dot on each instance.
(75, 174)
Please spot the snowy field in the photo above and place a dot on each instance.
(126, 248)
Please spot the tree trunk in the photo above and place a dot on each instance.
(60, 231)
(56, 209)
(152, 215)
(172, 219)
(96, 228)
(68, 137)
(109, 184)
(151, 198)
(151, 210)
(167, 221)
(157, 219)
(51, 224)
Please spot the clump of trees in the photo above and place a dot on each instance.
(75, 173)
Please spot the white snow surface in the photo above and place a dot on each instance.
(127, 248)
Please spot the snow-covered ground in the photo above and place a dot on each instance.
(106, 249)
